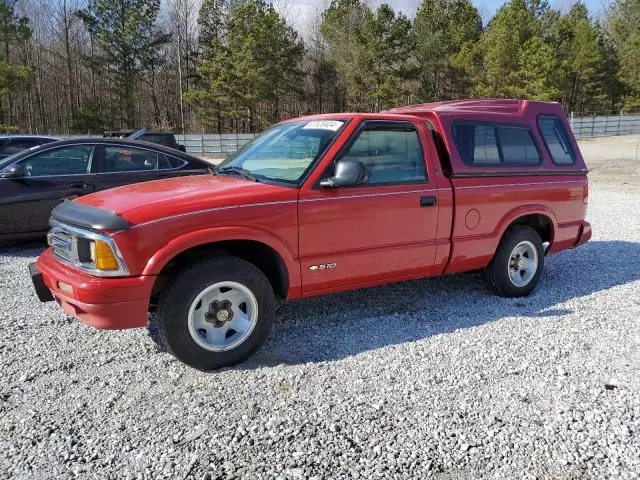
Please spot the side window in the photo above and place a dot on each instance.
(485, 145)
(390, 153)
(163, 162)
(517, 146)
(72, 160)
(556, 140)
(175, 162)
(482, 144)
(131, 159)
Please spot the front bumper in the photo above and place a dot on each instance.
(109, 303)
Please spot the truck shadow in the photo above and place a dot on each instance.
(341, 325)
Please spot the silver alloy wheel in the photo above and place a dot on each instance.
(523, 263)
(222, 316)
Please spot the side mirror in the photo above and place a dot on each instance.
(182, 148)
(13, 171)
(348, 173)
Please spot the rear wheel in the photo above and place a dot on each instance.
(517, 264)
(216, 313)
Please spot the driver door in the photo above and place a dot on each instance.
(51, 176)
(379, 231)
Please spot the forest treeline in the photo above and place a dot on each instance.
(240, 65)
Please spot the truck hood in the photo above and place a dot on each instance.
(146, 201)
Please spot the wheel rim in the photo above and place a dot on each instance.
(222, 316)
(523, 263)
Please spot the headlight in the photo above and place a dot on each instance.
(87, 250)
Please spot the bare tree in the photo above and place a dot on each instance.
(182, 20)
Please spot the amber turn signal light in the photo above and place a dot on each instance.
(104, 257)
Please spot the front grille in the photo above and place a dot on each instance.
(72, 246)
(61, 243)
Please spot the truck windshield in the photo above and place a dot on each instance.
(286, 151)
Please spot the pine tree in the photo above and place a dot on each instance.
(255, 65)
(371, 52)
(14, 77)
(517, 61)
(445, 33)
(128, 39)
(211, 20)
(581, 76)
(624, 29)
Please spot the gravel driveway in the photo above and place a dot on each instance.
(427, 379)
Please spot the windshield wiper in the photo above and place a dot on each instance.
(238, 171)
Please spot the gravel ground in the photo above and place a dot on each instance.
(427, 379)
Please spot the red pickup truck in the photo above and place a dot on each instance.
(317, 205)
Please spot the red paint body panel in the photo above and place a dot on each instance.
(374, 234)
(111, 303)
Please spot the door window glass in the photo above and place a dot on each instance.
(71, 160)
(390, 153)
(131, 159)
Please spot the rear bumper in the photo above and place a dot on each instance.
(108, 303)
(570, 235)
(585, 234)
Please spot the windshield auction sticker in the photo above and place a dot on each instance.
(333, 125)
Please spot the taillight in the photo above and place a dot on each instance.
(585, 193)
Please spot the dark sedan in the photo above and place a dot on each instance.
(34, 181)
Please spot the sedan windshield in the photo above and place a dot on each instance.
(284, 152)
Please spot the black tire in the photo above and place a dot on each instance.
(496, 275)
(176, 300)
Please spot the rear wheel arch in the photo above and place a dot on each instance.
(540, 218)
(541, 223)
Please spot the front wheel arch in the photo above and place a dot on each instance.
(267, 252)
(265, 258)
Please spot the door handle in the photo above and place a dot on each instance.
(428, 201)
(78, 185)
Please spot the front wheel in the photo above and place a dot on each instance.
(216, 313)
(517, 264)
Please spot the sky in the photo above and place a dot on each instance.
(300, 12)
(488, 7)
